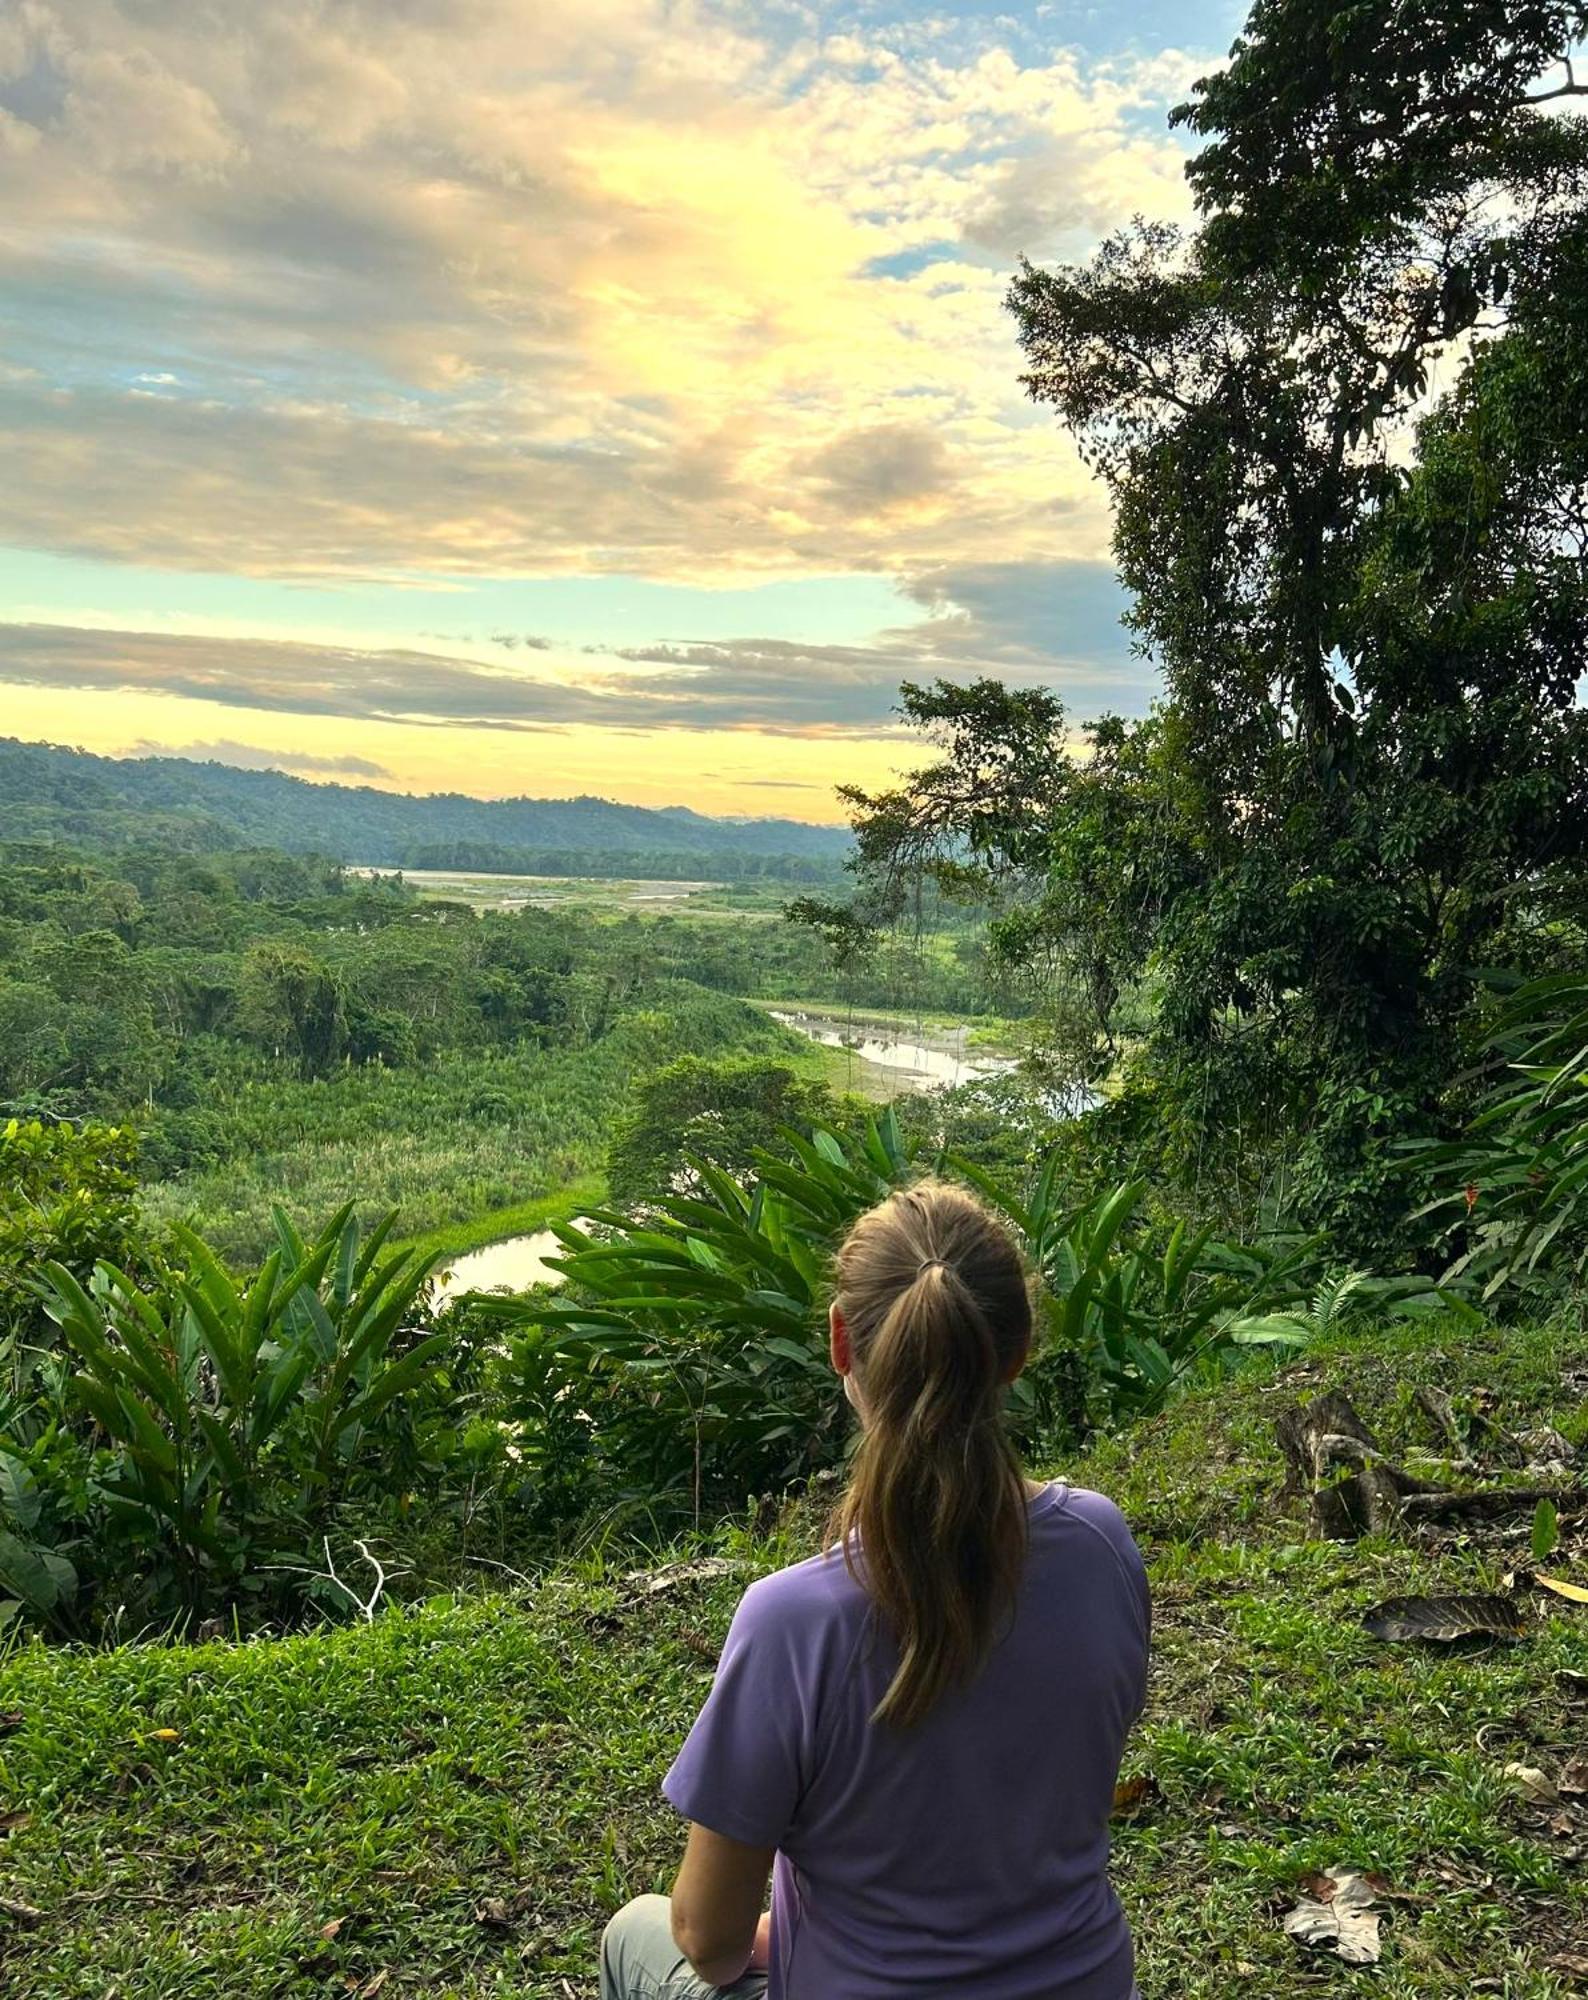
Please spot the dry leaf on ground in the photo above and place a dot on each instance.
(1444, 1618)
(1338, 1913)
(1536, 1786)
(500, 1913)
(1574, 1593)
(1131, 1794)
(1573, 1780)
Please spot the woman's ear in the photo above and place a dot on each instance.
(838, 1340)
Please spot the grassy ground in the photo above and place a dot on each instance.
(525, 1218)
(451, 1801)
(602, 895)
(845, 1071)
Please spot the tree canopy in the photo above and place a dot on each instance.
(1344, 425)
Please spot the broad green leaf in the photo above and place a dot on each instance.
(38, 1576)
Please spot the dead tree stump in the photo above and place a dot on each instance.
(1352, 1488)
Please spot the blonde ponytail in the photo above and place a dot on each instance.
(938, 1309)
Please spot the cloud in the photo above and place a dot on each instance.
(124, 110)
(248, 757)
(1052, 626)
(1025, 613)
(672, 288)
(881, 467)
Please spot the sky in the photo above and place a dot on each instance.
(555, 396)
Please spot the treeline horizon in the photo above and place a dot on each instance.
(51, 793)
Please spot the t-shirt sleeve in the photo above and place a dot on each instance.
(1105, 1519)
(742, 1768)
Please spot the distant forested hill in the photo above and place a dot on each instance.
(53, 794)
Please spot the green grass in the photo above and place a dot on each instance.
(522, 1219)
(396, 1778)
(607, 896)
(846, 1073)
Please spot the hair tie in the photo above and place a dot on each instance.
(931, 1264)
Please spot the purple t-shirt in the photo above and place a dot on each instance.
(967, 1856)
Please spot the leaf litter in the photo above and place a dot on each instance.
(1132, 1794)
(1339, 1911)
(1536, 1786)
(1444, 1619)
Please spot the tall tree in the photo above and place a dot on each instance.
(1345, 429)
(289, 1001)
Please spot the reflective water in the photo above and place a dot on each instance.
(512, 1265)
(934, 1059)
(937, 1060)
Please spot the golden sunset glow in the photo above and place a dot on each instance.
(520, 395)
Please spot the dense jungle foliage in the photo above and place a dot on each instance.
(200, 1056)
(274, 1023)
(1344, 423)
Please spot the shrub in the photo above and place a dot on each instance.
(216, 1427)
(689, 1349)
(67, 1195)
(1511, 1195)
(692, 1345)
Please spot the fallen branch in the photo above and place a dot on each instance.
(1353, 1489)
(652, 1582)
(365, 1606)
(1488, 1503)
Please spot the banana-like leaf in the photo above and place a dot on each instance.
(233, 1360)
(143, 1435)
(395, 1380)
(20, 1499)
(38, 1576)
(1269, 1330)
(223, 1448)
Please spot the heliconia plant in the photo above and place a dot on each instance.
(695, 1335)
(692, 1339)
(1512, 1193)
(231, 1417)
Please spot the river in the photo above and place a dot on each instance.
(512, 1265)
(930, 1059)
(933, 1059)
